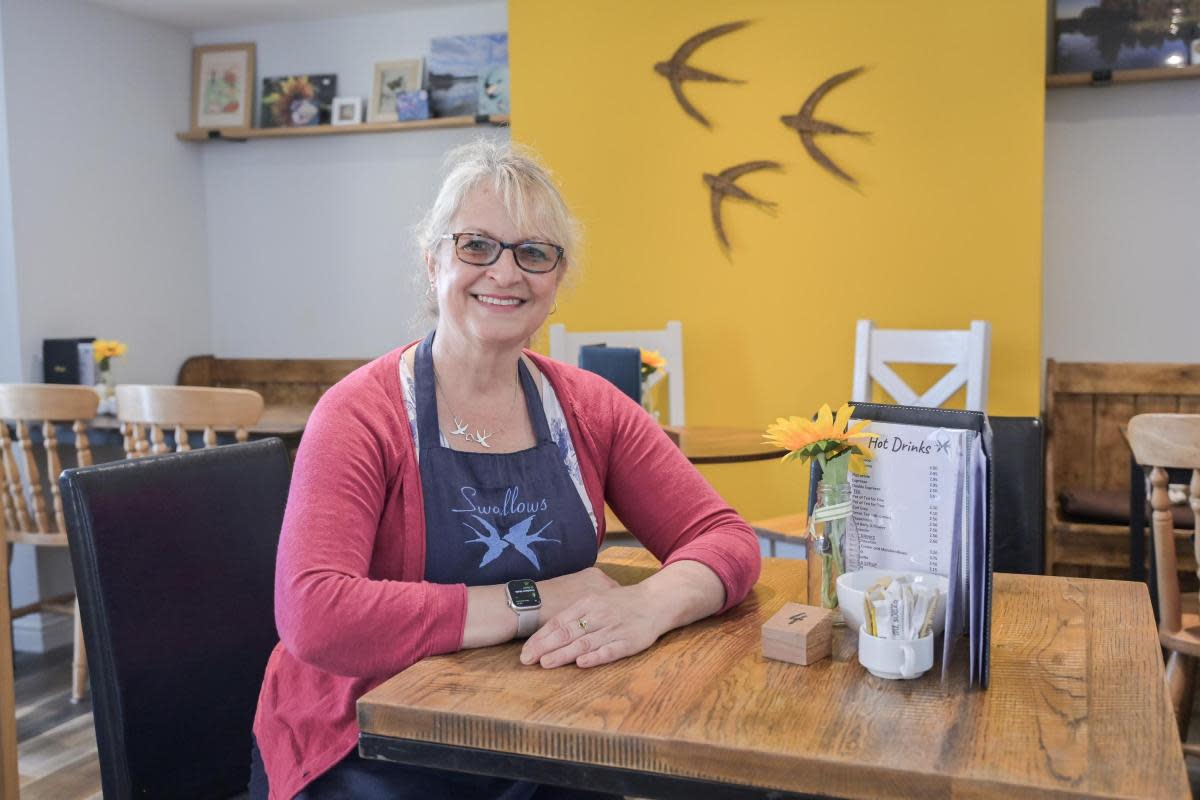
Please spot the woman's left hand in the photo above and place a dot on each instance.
(599, 628)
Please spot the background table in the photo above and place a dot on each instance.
(715, 445)
(1077, 707)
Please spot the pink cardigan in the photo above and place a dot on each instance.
(350, 604)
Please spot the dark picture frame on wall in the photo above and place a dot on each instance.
(1096, 36)
(223, 86)
(297, 101)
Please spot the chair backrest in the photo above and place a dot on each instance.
(1086, 405)
(1017, 465)
(29, 518)
(281, 381)
(966, 352)
(183, 408)
(1168, 441)
(564, 346)
(174, 561)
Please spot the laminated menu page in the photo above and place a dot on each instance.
(907, 507)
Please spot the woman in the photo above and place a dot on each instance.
(445, 488)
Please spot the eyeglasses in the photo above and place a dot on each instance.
(483, 251)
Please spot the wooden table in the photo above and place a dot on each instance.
(1077, 707)
(712, 445)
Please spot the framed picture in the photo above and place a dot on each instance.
(1091, 35)
(468, 75)
(223, 86)
(412, 105)
(296, 101)
(403, 75)
(347, 110)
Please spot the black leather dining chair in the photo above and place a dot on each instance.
(1018, 544)
(174, 560)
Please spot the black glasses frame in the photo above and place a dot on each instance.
(507, 246)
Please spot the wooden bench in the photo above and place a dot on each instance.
(294, 382)
(1086, 406)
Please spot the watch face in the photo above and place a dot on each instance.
(523, 594)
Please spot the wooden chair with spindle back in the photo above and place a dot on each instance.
(27, 515)
(182, 408)
(1172, 441)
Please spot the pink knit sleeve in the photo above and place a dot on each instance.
(669, 506)
(330, 613)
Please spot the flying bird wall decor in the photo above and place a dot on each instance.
(808, 126)
(677, 70)
(722, 185)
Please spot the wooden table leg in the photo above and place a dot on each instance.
(9, 779)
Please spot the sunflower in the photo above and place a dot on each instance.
(291, 90)
(104, 349)
(825, 438)
(652, 360)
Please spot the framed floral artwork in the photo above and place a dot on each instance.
(223, 86)
(296, 101)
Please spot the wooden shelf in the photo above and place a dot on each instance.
(1109, 77)
(241, 134)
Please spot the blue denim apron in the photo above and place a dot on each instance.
(496, 517)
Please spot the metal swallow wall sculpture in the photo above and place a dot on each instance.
(722, 186)
(677, 70)
(808, 126)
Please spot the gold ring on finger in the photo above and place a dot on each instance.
(582, 624)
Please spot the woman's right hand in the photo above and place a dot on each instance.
(559, 593)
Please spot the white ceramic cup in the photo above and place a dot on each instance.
(895, 658)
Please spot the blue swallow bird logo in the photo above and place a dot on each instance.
(518, 536)
(495, 545)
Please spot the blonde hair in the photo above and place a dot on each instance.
(523, 184)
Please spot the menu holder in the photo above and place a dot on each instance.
(925, 505)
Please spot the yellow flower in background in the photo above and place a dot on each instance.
(826, 438)
(652, 360)
(104, 349)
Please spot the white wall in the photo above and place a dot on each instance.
(10, 331)
(108, 217)
(107, 229)
(309, 240)
(1122, 258)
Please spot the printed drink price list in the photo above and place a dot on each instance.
(907, 507)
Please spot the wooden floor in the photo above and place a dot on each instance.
(58, 743)
(57, 752)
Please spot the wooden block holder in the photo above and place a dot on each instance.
(799, 634)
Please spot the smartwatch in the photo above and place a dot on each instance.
(524, 599)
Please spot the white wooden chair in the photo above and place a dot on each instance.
(182, 407)
(564, 346)
(29, 518)
(967, 353)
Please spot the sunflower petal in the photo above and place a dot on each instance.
(842, 419)
(824, 419)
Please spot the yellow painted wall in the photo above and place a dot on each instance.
(944, 228)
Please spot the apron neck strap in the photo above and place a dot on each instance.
(426, 395)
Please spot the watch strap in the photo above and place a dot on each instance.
(527, 622)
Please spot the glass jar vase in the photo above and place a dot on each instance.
(826, 548)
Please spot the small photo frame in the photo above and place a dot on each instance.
(412, 106)
(223, 86)
(347, 110)
(402, 75)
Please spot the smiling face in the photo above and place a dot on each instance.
(497, 305)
